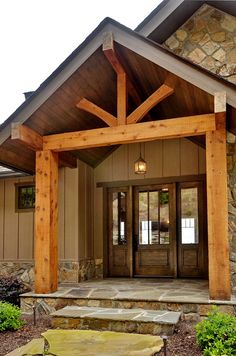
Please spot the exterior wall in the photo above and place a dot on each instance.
(165, 158)
(231, 162)
(208, 38)
(75, 231)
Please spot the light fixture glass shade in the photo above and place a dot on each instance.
(140, 166)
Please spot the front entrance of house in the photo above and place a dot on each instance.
(157, 230)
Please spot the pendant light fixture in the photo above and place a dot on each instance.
(140, 166)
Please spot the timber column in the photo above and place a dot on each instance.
(217, 205)
(46, 222)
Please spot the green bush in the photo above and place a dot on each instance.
(216, 335)
(10, 317)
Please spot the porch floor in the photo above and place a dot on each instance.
(137, 289)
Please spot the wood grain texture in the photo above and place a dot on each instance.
(147, 131)
(218, 245)
(121, 99)
(46, 222)
(92, 108)
(27, 136)
(160, 94)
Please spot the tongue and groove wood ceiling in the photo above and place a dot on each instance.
(95, 80)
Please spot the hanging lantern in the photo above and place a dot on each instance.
(140, 166)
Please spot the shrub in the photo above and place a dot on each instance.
(216, 335)
(10, 289)
(10, 317)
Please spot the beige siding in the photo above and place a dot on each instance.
(81, 203)
(2, 204)
(16, 229)
(75, 226)
(71, 214)
(61, 214)
(167, 158)
(85, 217)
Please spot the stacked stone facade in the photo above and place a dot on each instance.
(231, 163)
(208, 39)
(69, 271)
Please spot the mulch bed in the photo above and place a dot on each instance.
(10, 340)
(182, 343)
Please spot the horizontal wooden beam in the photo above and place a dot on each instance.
(92, 108)
(160, 94)
(34, 142)
(123, 134)
(27, 136)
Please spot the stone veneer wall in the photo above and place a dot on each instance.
(208, 38)
(231, 163)
(69, 271)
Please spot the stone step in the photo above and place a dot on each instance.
(140, 321)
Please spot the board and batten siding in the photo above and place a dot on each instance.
(81, 203)
(16, 229)
(75, 225)
(165, 158)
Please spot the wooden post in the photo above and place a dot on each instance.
(218, 244)
(46, 216)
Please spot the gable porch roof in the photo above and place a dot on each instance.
(87, 73)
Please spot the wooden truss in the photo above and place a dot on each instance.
(122, 119)
(122, 130)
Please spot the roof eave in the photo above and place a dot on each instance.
(133, 41)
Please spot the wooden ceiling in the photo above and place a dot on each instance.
(96, 80)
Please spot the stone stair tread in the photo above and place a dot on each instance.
(115, 314)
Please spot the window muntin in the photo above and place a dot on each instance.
(25, 197)
(119, 218)
(153, 215)
(189, 216)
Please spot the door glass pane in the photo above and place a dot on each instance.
(189, 216)
(154, 217)
(119, 218)
(143, 218)
(164, 217)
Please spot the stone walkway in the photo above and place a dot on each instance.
(91, 343)
(160, 316)
(146, 289)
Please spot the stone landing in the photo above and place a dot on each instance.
(190, 297)
(139, 321)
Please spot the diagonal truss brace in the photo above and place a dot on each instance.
(159, 95)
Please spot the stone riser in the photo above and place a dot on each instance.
(112, 325)
(190, 311)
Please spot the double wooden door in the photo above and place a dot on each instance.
(157, 231)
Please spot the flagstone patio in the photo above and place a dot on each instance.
(141, 289)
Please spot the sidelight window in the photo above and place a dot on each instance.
(119, 219)
(189, 216)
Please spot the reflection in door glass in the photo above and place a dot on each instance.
(154, 217)
(143, 218)
(164, 217)
(119, 218)
(189, 215)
